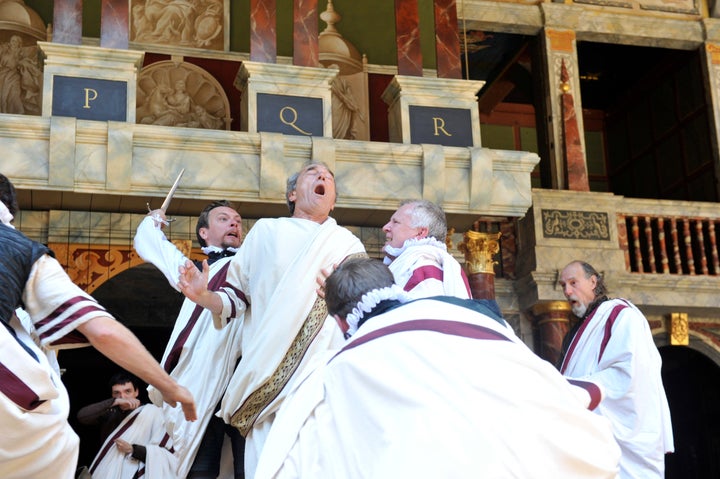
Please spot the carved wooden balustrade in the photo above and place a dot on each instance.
(683, 245)
(670, 237)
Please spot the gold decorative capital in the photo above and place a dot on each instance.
(479, 249)
(679, 330)
(551, 307)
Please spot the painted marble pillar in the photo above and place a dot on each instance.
(711, 71)
(576, 173)
(407, 38)
(263, 31)
(305, 33)
(479, 250)
(67, 22)
(551, 323)
(447, 39)
(114, 31)
(560, 45)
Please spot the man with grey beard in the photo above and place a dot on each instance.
(612, 347)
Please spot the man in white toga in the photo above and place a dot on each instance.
(272, 279)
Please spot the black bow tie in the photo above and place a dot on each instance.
(216, 255)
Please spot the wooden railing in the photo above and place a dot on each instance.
(672, 244)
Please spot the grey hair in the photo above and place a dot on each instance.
(600, 288)
(345, 287)
(292, 182)
(426, 214)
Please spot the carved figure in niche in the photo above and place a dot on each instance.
(183, 95)
(195, 23)
(345, 110)
(20, 78)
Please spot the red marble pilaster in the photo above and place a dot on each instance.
(305, 33)
(552, 322)
(407, 38)
(447, 40)
(114, 32)
(482, 285)
(67, 22)
(577, 176)
(263, 31)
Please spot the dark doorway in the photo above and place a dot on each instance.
(692, 384)
(141, 299)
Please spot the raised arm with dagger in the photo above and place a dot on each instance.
(166, 202)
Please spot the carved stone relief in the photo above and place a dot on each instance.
(20, 75)
(185, 23)
(181, 94)
(588, 225)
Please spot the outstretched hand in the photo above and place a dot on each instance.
(192, 281)
(181, 395)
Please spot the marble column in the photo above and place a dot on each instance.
(559, 45)
(407, 38)
(552, 322)
(305, 33)
(575, 167)
(263, 31)
(447, 40)
(479, 249)
(114, 31)
(67, 22)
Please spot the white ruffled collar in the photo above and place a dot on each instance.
(5, 216)
(392, 253)
(216, 249)
(371, 299)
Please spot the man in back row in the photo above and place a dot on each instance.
(611, 346)
(37, 440)
(271, 280)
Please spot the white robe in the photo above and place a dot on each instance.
(424, 268)
(207, 356)
(424, 404)
(145, 427)
(628, 370)
(36, 439)
(276, 270)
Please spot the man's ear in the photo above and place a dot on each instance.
(344, 326)
(203, 233)
(423, 233)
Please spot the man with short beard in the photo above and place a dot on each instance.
(611, 346)
(197, 354)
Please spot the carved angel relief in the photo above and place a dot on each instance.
(181, 94)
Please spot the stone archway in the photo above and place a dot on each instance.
(691, 376)
(141, 298)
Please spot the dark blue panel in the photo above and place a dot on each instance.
(440, 126)
(89, 98)
(291, 115)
